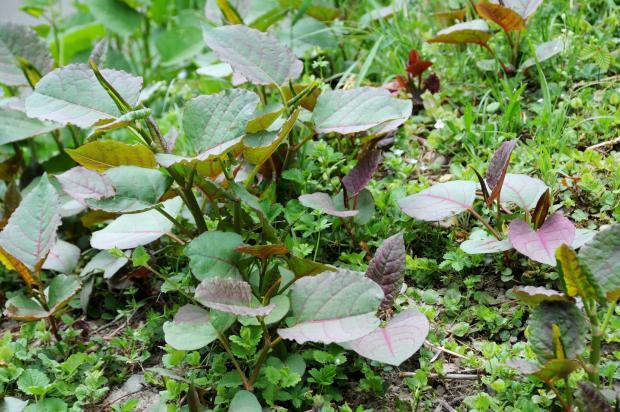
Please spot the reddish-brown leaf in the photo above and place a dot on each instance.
(357, 179)
(387, 268)
(506, 18)
(498, 166)
(542, 209)
(263, 251)
(472, 32)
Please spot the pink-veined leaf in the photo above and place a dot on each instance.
(358, 178)
(31, 231)
(440, 201)
(81, 184)
(525, 8)
(230, 295)
(333, 307)
(496, 172)
(322, 201)
(63, 257)
(540, 245)
(396, 342)
(387, 268)
(522, 190)
(481, 242)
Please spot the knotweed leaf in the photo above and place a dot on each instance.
(475, 32)
(387, 268)
(15, 125)
(323, 202)
(506, 18)
(230, 295)
(194, 327)
(256, 56)
(132, 230)
(357, 110)
(395, 342)
(31, 230)
(481, 242)
(545, 51)
(358, 178)
(258, 147)
(245, 401)
(583, 236)
(571, 323)
(602, 256)
(263, 251)
(136, 189)
(81, 184)
(542, 209)
(440, 201)
(577, 279)
(106, 154)
(21, 42)
(496, 171)
(214, 254)
(540, 245)
(525, 8)
(534, 295)
(333, 307)
(73, 95)
(212, 120)
(522, 190)
(63, 257)
(117, 16)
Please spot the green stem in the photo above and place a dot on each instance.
(485, 223)
(178, 224)
(595, 344)
(190, 200)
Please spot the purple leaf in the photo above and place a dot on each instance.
(333, 307)
(522, 190)
(81, 184)
(440, 201)
(358, 178)
(230, 295)
(393, 344)
(387, 268)
(322, 201)
(498, 166)
(540, 245)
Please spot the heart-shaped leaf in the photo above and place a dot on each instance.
(21, 42)
(31, 230)
(440, 201)
(214, 254)
(73, 95)
(475, 32)
(572, 326)
(577, 279)
(357, 179)
(194, 327)
(496, 172)
(602, 256)
(63, 257)
(15, 125)
(256, 56)
(533, 295)
(506, 18)
(230, 295)
(395, 342)
(522, 190)
(258, 147)
(387, 268)
(323, 202)
(545, 51)
(333, 307)
(106, 154)
(357, 110)
(481, 242)
(81, 184)
(136, 189)
(540, 245)
(132, 230)
(212, 120)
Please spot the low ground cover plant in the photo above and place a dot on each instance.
(223, 205)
